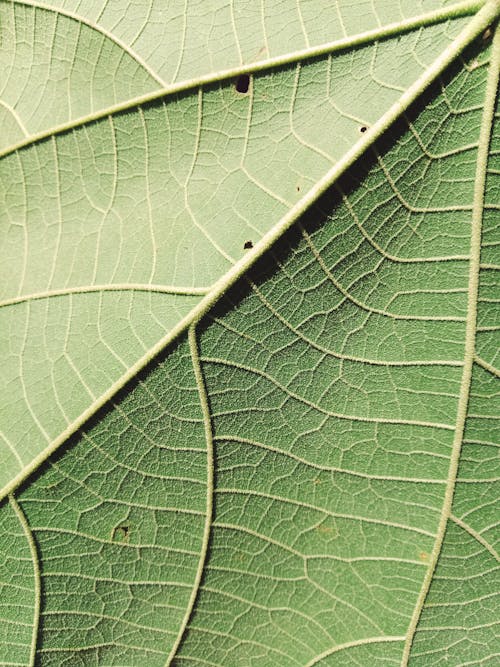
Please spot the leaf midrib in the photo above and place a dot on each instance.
(487, 14)
(461, 9)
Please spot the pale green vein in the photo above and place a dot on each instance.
(119, 287)
(477, 536)
(305, 401)
(348, 645)
(101, 645)
(344, 603)
(227, 635)
(469, 628)
(409, 207)
(192, 658)
(342, 356)
(12, 449)
(36, 576)
(470, 330)
(254, 533)
(461, 603)
(393, 258)
(363, 306)
(94, 615)
(118, 580)
(16, 117)
(465, 8)
(268, 610)
(98, 28)
(487, 367)
(321, 467)
(202, 392)
(322, 510)
(475, 27)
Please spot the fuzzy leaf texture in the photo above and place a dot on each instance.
(249, 332)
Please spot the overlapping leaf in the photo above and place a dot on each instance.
(307, 476)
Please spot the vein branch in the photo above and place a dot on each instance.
(202, 392)
(36, 576)
(475, 27)
(470, 329)
(465, 8)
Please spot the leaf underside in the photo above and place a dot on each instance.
(305, 471)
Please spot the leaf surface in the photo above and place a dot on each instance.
(260, 330)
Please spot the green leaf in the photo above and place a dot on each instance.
(249, 403)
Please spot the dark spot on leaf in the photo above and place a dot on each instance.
(242, 83)
(247, 245)
(298, 188)
(121, 534)
(363, 129)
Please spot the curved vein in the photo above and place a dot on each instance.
(348, 645)
(301, 399)
(200, 382)
(465, 8)
(119, 287)
(470, 329)
(36, 576)
(342, 356)
(323, 468)
(98, 28)
(15, 116)
(363, 306)
(475, 27)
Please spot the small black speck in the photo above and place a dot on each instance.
(242, 83)
(247, 245)
(363, 129)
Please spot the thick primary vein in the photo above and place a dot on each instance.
(470, 329)
(466, 8)
(475, 27)
(202, 392)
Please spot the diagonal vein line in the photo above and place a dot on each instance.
(202, 392)
(111, 287)
(474, 28)
(477, 536)
(392, 29)
(360, 642)
(470, 329)
(98, 28)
